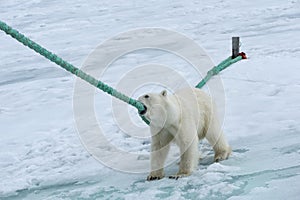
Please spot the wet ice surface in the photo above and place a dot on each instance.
(41, 156)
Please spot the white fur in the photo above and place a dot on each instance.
(184, 117)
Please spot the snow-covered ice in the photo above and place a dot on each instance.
(41, 156)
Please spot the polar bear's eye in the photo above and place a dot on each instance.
(146, 96)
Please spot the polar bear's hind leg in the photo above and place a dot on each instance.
(221, 148)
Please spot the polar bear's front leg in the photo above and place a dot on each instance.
(159, 151)
(189, 155)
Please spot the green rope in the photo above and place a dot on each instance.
(70, 68)
(98, 84)
(216, 70)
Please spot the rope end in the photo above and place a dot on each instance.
(243, 55)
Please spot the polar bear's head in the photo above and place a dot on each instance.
(155, 106)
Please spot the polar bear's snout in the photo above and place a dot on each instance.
(142, 99)
(143, 111)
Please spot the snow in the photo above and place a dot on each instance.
(41, 155)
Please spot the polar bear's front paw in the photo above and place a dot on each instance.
(155, 175)
(179, 175)
(176, 177)
(153, 178)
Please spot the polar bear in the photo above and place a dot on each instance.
(184, 117)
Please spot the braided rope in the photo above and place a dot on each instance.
(217, 69)
(69, 67)
(98, 84)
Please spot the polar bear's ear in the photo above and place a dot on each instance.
(164, 93)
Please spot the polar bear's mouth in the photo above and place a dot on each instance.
(143, 111)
